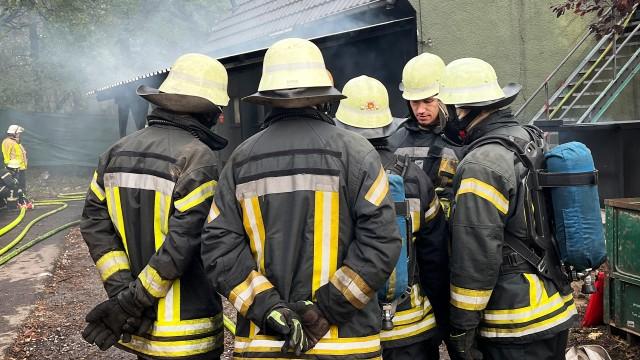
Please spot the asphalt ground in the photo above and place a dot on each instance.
(22, 279)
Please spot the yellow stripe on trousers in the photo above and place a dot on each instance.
(254, 226)
(325, 238)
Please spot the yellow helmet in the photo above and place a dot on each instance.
(293, 63)
(366, 108)
(294, 75)
(366, 105)
(196, 83)
(471, 82)
(421, 77)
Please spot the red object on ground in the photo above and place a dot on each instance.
(595, 308)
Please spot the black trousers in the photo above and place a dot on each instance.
(548, 349)
(424, 350)
(22, 180)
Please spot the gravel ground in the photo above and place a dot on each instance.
(52, 330)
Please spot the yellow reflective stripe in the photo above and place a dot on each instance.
(420, 306)
(535, 327)
(379, 189)
(325, 238)
(112, 262)
(169, 305)
(114, 207)
(175, 348)
(332, 333)
(433, 209)
(243, 294)
(391, 285)
(468, 299)
(153, 282)
(406, 331)
(526, 314)
(540, 305)
(196, 197)
(186, 327)
(161, 218)
(414, 209)
(166, 307)
(254, 226)
(253, 329)
(95, 188)
(214, 212)
(485, 191)
(352, 286)
(326, 346)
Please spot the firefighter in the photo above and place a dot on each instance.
(366, 111)
(421, 136)
(143, 218)
(302, 231)
(9, 188)
(502, 307)
(12, 149)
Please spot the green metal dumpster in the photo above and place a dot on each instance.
(622, 286)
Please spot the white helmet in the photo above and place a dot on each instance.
(15, 130)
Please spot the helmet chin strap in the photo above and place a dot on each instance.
(467, 119)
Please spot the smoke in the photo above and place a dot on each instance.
(62, 49)
(53, 52)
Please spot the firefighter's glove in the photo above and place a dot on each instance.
(462, 345)
(114, 315)
(138, 326)
(288, 324)
(314, 323)
(98, 333)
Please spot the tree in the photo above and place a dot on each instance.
(607, 12)
(54, 51)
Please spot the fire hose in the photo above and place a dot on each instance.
(7, 252)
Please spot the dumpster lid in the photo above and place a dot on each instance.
(626, 203)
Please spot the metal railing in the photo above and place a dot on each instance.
(605, 40)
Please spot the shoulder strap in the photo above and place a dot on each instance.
(400, 165)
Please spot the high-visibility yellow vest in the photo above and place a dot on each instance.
(11, 149)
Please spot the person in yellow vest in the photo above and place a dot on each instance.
(12, 149)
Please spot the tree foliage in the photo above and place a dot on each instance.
(54, 51)
(607, 12)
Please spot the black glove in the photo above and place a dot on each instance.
(99, 334)
(287, 323)
(138, 326)
(314, 323)
(114, 314)
(462, 345)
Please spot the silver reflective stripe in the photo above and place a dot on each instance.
(531, 329)
(197, 80)
(414, 204)
(449, 153)
(423, 152)
(431, 88)
(413, 151)
(427, 323)
(361, 110)
(171, 348)
(139, 181)
(481, 87)
(290, 183)
(294, 66)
